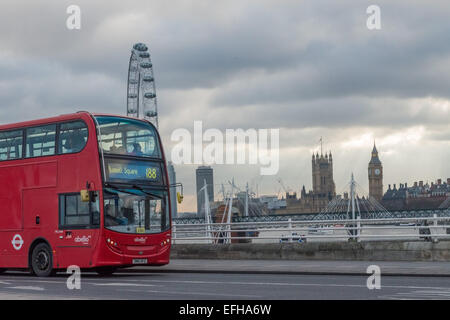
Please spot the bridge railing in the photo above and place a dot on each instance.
(422, 213)
(415, 228)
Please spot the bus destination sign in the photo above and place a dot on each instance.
(133, 170)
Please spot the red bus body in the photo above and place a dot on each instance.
(30, 209)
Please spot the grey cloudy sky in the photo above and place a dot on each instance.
(309, 68)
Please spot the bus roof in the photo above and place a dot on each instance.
(63, 117)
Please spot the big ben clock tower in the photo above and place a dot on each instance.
(375, 176)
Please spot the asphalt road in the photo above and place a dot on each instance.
(210, 286)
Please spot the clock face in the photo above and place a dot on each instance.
(377, 172)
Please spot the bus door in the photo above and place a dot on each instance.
(78, 231)
(39, 216)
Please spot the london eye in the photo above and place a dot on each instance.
(141, 90)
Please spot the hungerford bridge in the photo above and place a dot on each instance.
(338, 209)
(327, 216)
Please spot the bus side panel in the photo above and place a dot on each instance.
(10, 199)
(16, 245)
(18, 227)
(40, 212)
(13, 180)
(10, 258)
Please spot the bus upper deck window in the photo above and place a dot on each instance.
(128, 137)
(11, 145)
(41, 141)
(72, 137)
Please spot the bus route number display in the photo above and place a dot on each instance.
(133, 170)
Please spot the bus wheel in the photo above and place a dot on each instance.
(105, 271)
(42, 260)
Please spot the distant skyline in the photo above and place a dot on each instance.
(309, 68)
(268, 185)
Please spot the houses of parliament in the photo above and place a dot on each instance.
(324, 188)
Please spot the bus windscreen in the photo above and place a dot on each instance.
(122, 136)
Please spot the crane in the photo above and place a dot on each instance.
(287, 190)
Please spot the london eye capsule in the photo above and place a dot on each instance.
(148, 79)
(140, 47)
(149, 95)
(151, 114)
(146, 65)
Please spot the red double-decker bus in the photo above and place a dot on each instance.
(83, 189)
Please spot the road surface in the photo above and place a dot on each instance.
(154, 284)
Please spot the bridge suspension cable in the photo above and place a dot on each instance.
(354, 206)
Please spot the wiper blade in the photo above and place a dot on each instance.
(134, 186)
(146, 192)
(140, 189)
(118, 189)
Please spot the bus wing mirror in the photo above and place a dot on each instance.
(92, 196)
(84, 195)
(179, 197)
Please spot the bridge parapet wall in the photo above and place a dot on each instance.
(362, 251)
